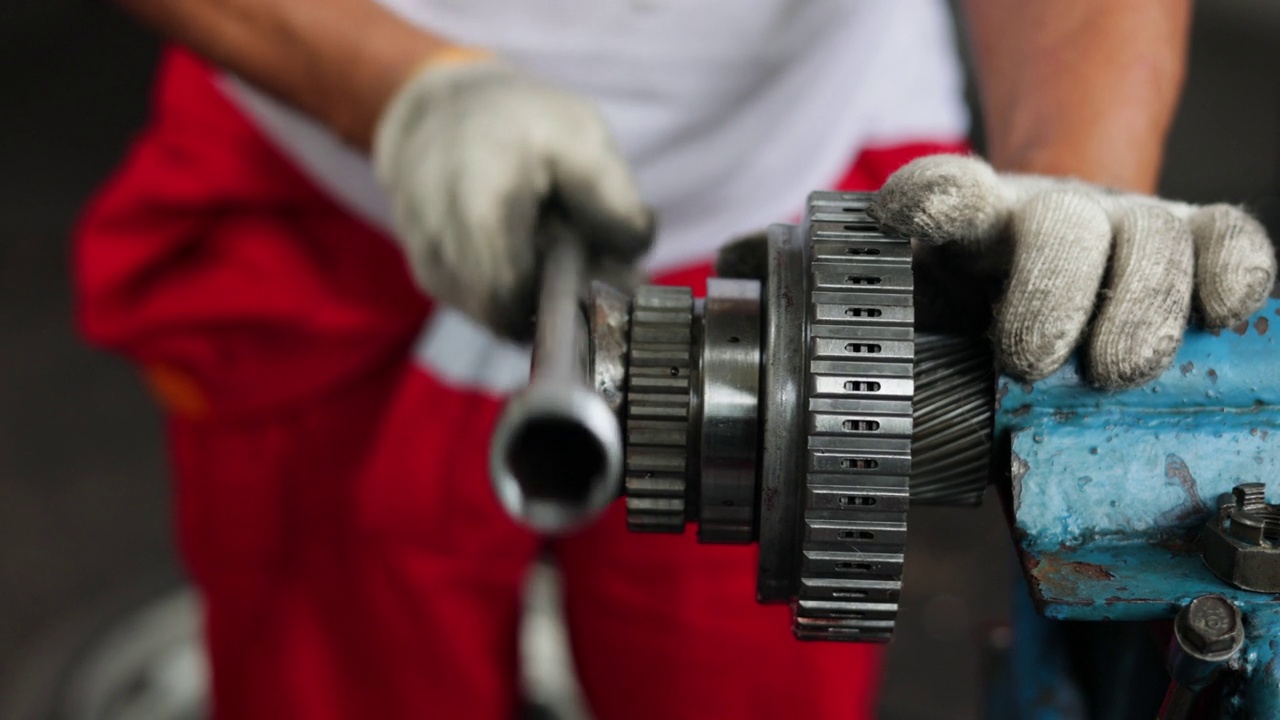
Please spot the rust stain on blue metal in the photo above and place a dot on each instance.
(1193, 508)
(1110, 489)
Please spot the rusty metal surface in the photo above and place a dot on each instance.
(1110, 490)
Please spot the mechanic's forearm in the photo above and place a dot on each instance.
(338, 60)
(1085, 88)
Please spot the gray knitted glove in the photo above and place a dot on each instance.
(474, 156)
(1054, 238)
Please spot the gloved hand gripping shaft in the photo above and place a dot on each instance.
(800, 411)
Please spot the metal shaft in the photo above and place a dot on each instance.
(556, 455)
(1179, 703)
(559, 345)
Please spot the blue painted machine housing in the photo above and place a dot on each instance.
(1109, 489)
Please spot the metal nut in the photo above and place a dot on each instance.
(1239, 545)
(1211, 625)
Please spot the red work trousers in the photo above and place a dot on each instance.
(332, 500)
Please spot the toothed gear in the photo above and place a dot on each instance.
(659, 413)
(858, 417)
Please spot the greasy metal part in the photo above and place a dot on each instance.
(859, 385)
(729, 384)
(782, 432)
(659, 409)
(952, 418)
(1208, 634)
(1240, 543)
(609, 326)
(556, 454)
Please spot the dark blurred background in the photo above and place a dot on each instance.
(84, 535)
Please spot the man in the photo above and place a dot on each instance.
(328, 424)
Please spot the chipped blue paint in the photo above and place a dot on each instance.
(1110, 489)
(1258, 695)
(1105, 474)
(1232, 368)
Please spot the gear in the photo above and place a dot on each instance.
(858, 417)
(660, 371)
(802, 411)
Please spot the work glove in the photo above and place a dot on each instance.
(1053, 241)
(481, 162)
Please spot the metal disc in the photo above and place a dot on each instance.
(782, 428)
(729, 428)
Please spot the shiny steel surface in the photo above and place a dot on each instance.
(556, 454)
(782, 436)
(729, 381)
(661, 370)
(858, 420)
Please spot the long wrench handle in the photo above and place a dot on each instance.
(559, 341)
(556, 454)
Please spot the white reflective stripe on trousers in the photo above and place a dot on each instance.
(466, 355)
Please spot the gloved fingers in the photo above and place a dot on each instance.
(1145, 310)
(1061, 242)
(474, 157)
(476, 215)
(594, 186)
(501, 216)
(1235, 264)
(944, 199)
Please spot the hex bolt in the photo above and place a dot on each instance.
(1211, 625)
(1208, 633)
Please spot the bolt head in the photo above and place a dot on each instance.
(1210, 624)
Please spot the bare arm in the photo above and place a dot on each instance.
(1085, 88)
(338, 60)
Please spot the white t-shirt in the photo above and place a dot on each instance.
(729, 112)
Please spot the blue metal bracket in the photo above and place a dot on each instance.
(1110, 489)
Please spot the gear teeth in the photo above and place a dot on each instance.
(858, 416)
(659, 373)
